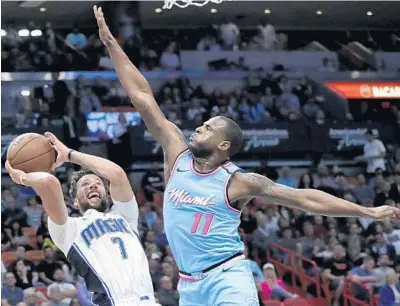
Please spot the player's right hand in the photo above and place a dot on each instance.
(104, 32)
(15, 174)
(61, 149)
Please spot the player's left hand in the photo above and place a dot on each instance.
(62, 150)
(15, 174)
(385, 212)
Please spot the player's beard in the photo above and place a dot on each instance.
(83, 207)
(199, 152)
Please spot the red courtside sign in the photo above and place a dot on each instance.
(366, 90)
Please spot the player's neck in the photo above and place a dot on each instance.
(205, 165)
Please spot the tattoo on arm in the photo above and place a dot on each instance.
(258, 185)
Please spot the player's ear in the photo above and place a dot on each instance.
(76, 202)
(225, 145)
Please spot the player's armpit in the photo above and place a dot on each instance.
(310, 200)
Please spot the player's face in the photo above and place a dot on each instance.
(91, 194)
(207, 138)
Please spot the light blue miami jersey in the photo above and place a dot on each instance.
(200, 225)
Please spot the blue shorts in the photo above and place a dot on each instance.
(231, 284)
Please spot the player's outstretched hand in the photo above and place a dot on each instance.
(15, 174)
(386, 212)
(61, 149)
(104, 32)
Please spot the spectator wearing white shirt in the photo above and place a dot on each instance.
(374, 153)
(105, 62)
(208, 43)
(267, 36)
(169, 59)
(229, 33)
(60, 293)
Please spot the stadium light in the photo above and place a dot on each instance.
(23, 33)
(158, 10)
(36, 33)
(319, 12)
(25, 93)
(267, 11)
(213, 11)
(43, 9)
(369, 13)
(3, 32)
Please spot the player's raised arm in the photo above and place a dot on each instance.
(310, 200)
(47, 187)
(140, 93)
(120, 187)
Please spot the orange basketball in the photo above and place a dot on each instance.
(31, 152)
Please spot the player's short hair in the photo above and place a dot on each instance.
(76, 176)
(234, 135)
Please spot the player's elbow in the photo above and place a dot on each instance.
(116, 174)
(48, 181)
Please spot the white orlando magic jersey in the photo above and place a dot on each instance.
(105, 249)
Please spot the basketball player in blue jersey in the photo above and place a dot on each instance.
(205, 193)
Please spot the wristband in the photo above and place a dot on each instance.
(69, 154)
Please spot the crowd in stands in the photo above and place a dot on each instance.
(48, 49)
(365, 250)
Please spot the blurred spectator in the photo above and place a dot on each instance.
(12, 214)
(89, 102)
(166, 295)
(389, 294)
(25, 277)
(381, 247)
(77, 39)
(362, 191)
(310, 109)
(105, 62)
(229, 33)
(384, 263)
(5, 241)
(384, 195)
(60, 293)
(267, 34)
(286, 178)
(208, 43)
(364, 274)
(336, 269)
(152, 182)
(306, 181)
(288, 102)
(273, 287)
(394, 192)
(16, 235)
(169, 59)
(48, 266)
(21, 256)
(374, 153)
(34, 211)
(10, 292)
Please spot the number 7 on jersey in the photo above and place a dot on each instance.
(198, 217)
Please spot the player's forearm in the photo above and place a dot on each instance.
(130, 77)
(322, 203)
(101, 166)
(49, 189)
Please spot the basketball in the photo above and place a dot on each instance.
(31, 152)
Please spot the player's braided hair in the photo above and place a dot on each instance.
(74, 181)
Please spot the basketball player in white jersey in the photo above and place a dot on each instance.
(103, 245)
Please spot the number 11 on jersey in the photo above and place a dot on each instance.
(207, 224)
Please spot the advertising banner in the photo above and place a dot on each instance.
(346, 138)
(366, 90)
(258, 139)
